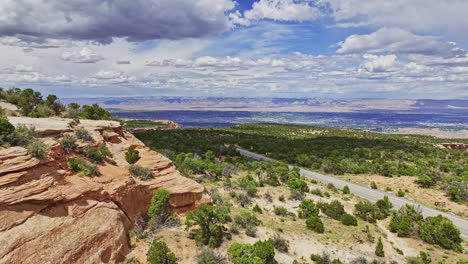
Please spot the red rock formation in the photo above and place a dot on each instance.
(458, 146)
(49, 214)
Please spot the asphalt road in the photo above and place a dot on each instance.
(372, 194)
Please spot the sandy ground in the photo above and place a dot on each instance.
(435, 132)
(338, 241)
(426, 196)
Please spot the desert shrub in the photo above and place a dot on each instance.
(73, 123)
(132, 155)
(251, 231)
(243, 199)
(94, 112)
(262, 252)
(280, 244)
(296, 195)
(37, 148)
(82, 133)
(281, 198)
(348, 220)
(208, 256)
(346, 189)
(401, 193)
(159, 204)
(159, 253)
(41, 111)
(6, 128)
(317, 192)
(404, 221)
(280, 210)
(209, 220)
(257, 209)
(315, 224)
(249, 185)
(324, 259)
(371, 212)
(265, 251)
(308, 208)
(425, 181)
(80, 165)
(92, 154)
(373, 185)
(379, 249)
(68, 143)
(140, 172)
(22, 135)
(104, 150)
(331, 187)
(440, 230)
(334, 209)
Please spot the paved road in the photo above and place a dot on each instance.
(371, 194)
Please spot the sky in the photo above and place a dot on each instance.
(397, 49)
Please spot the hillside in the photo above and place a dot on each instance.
(72, 217)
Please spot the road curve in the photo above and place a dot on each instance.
(371, 194)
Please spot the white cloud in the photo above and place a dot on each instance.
(446, 17)
(85, 55)
(280, 10)
(384, 63)
(396, 40)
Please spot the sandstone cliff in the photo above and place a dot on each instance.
(49, 214)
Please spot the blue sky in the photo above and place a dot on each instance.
(285, 48)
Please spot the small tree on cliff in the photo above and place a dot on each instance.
(159, 208)
(132, 155)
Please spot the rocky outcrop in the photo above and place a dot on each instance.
(163, 125)
(50, 214)
(457, 146)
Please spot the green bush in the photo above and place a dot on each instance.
(208, 256)
(425, 181)
(379, 249)
(404, 221)
(82, 133)
(262, 252)
(348, 220)
(92, 154)
(37, 148)
(210, 221)
(371, 212)
(132, 155)
(243, 254)
(22, 135)
(257, 209)
(6, 128)
(105, 152)
(159, 253)
(249, 185)
(280, 210)
(373, 185)
(68, 143)
(159, 204)
(334, 209)
(401, 193)
(80, 165)
(440, 230)
(280, 244)
(94, 112)
(315, 224)
(140, 172)
(346, 189)
(317, 192)
(308, 208)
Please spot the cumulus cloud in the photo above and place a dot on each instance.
(280, 10)
(397, 40)
(445, 17)
(85, 55)
(34, 21)
(123, 62)
(383, 63)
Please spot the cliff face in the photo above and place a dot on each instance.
(49, 214)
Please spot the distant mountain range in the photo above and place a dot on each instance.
(274, 104)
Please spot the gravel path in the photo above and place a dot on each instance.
(372, 194)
